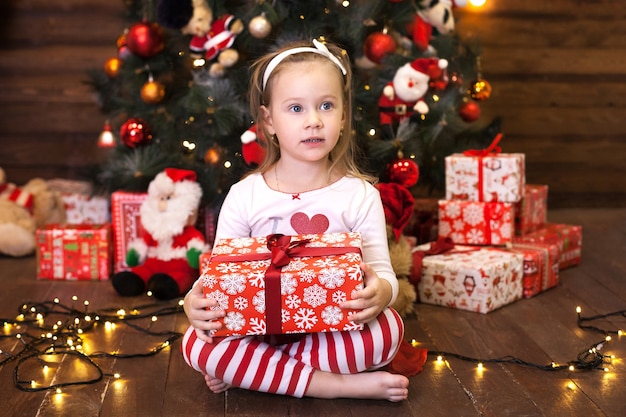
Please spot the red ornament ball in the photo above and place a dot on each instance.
(404, 171)
(135, 132)
(145, 39)
(377, 45)
(469, 111)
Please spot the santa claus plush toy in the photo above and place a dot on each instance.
(403, 97)
(165, 259)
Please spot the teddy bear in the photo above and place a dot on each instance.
(403, 97)
(23, 210)
(165, 258)
(398, 207)
(211, 39)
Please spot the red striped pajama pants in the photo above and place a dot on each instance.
(255, 363)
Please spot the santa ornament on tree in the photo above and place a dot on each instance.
(403, 97)
(165, 259)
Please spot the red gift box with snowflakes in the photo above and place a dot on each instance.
(568, 237)
(485, 177)
(74, 252)
(476, 223)
(127, 226)
(283, 284)
(541, 266)
(473, 278)
(531, 211)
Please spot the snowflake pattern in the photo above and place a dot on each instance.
(312, 287)
(332, 277)
(476, 223)
(332, 315)
(315, 295)
(233, 283)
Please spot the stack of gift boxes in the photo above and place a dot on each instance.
(92, 243)
(504, 248)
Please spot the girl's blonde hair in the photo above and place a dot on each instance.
(342, 157)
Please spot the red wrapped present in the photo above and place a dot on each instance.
(541, 266)
(126, 224)
(476, 223)
(568, 237)
(74, 252)
(531, 211)
(485, 175)
(473, 278)
(283, 284)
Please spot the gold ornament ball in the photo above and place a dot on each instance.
(260, 27)
(112, 67)
(212, 156)
(480, 90)
(152, 92)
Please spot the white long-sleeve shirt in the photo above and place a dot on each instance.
(252, 208)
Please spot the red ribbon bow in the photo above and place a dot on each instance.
(280, 246)
(492, 148)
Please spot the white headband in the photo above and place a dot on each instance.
(320, 48)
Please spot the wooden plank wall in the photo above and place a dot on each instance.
(557, 68)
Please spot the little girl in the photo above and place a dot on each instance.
(300, 97)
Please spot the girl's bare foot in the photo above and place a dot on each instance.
(216, 385)
(378, 385)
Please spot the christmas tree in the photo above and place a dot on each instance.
(175, 92)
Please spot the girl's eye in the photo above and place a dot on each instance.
(296, 108)
(326, 106)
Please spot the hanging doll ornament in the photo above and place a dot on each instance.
(145, 39)
(403, 97)
(211, 39)
(135, 132)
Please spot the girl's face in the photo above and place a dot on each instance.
(306, 109)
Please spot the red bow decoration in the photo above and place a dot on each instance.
(492, 148)
(280, 246)
(438, 247)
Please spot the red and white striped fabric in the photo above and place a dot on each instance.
(11, 192)
(261, 364)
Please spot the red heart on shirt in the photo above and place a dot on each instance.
(301, 223)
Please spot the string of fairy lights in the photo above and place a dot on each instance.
(45, 329)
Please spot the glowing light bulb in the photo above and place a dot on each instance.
(571, 367)
(480, 367)
(579, 309)
(439, 359)
(478, 3)
(154, 318)
(117, 375)
(608, 338)
(58, 391)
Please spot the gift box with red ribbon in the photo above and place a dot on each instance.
(485, 175)
(283, 284)
(74, 252)
(473, 278)
(568, 237)
(531, 211)
(541, 266)
(476, 223)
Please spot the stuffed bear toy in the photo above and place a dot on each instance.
(165, 259)
(403, 97)
(398, 207)
(211, 39)
(23, 210)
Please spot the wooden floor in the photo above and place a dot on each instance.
(540, 330)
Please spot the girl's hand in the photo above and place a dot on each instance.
(372, 299)
(199, 315)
